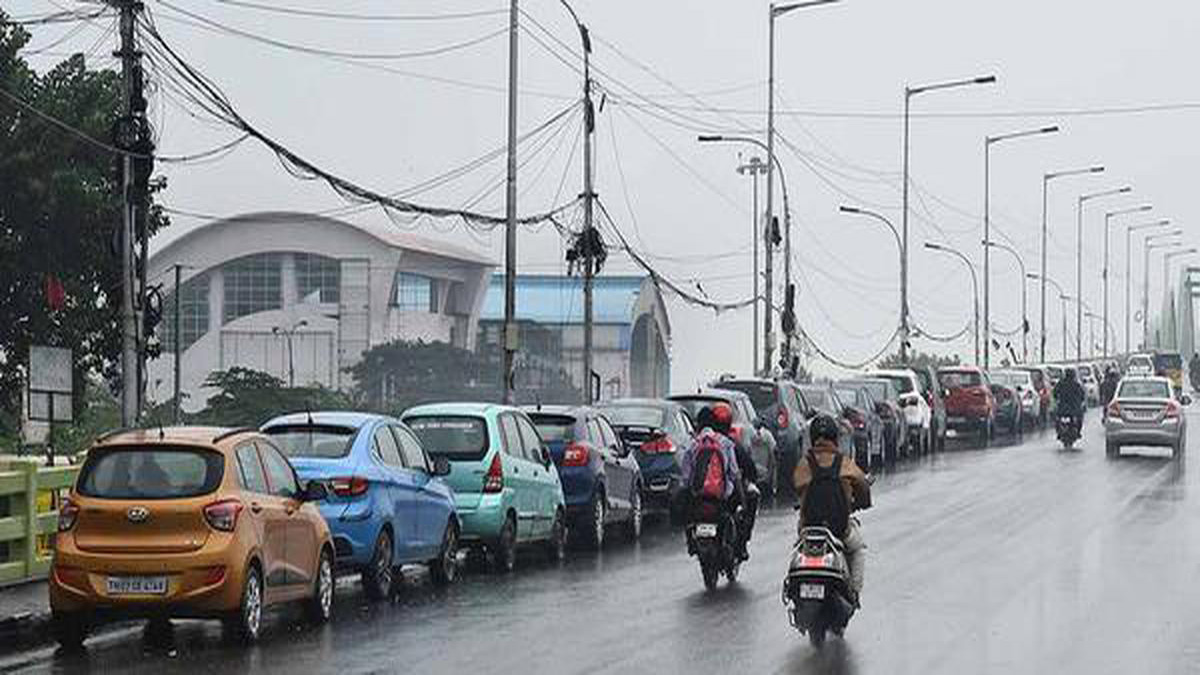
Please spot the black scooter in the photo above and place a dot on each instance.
(1067, 427)
(712, 538)
(816, 589)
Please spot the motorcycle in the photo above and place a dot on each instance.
(712, 538)
(1067, 427)
(816, 589)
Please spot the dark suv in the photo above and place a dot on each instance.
(747, 430)
(784, 413)
(932, 390)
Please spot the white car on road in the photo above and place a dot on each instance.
(1027, 393)
(1140, 365)
(916, 408)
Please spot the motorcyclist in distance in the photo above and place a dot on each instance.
(1070, 396)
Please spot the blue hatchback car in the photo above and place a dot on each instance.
(388, 504)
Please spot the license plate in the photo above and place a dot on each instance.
(706, 530)
(956, 420)
(137, 585)
(812, 592)
(660, 487)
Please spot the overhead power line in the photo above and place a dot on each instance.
(351, 16)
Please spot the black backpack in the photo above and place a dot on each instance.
(825, 499)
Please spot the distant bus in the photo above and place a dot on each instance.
(1170, 366)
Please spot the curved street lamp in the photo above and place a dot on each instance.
(974, 284)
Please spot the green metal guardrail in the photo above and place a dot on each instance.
(29, 516)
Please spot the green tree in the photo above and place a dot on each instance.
(247, 398)
(60, 208)
(920, 359)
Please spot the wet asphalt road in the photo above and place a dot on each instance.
(1016, 559)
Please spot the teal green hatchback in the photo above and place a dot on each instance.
(506, 487)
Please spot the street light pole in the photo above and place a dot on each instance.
(755, 167)
(909, 92)
(775, 10)
(1046, 178)
(1083, 199)
(288, 333)
(1129, 273)
(974, 284)
(787, 246)
(1024, 296)
(1107, 224)
(988, 142)
(899, 245)
(509, 341)
(1062, 296)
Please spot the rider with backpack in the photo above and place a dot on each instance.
(829, 488)
(711, 470)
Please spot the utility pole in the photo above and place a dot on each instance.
(128, 135)
(755, 167)
(178, 346)
(510, 337)
(768, 220)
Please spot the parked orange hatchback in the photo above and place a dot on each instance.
(188, 523)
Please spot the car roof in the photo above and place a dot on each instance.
(643, 402)
(891, 372)
(564, 410)
(722, 394)
(346, 418)
(204, 436)
(462, 408)
(960, 369)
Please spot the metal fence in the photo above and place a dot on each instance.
(29, 499)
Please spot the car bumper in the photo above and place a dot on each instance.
(578, 486)
(354, 529)
(482, 520)
(78, 580)
(659, 490)
(1120, 432)
(966, 422)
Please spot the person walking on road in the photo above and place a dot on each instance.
(825, 462)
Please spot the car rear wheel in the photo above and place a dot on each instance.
(380, 574)
(633, 528)
(593, 525)
(70, 629)
(245, 622)
(504, 551)
(320, 605)
(444, 569)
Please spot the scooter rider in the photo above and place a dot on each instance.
(709, 435)
(749, 495)
(1070, 396)
(740, 489)
(825, 456)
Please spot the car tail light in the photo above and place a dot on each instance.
(781, 420)
(214, 575)
(658, 445)
(1114, 409)
(223, 515)
(493, 480)
(68, 513)
(576, 455)
(70, 576)
(736, 434)
(1173, 409)
(349, 486)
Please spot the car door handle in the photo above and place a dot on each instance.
(516, 469)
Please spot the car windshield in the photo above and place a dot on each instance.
(136, 472)
(957, 379)
(694, 404)
(555, 427)
(1142, 362)
(319, 441)
(880, 391)
(818, 398)
(1010, 379)
(903, 384)
(455, 437)
(1038, 379)
(762, 394)
(1168, 362)
(1144, 389)
(635, 416)
(848, 395)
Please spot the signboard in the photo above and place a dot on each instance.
(50, 384)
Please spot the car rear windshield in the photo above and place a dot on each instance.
(1141, 362)
(1144, 389)
(818, 398)
(849, 396)
(320, 441)
(138, 472)
(455, 437)
(904, 384)
(555, 427)
(762, 394)
(880, 391)
(1168, 361)
(957, 379)
(1038, 380)
(1011, 379)
(636, 416)
(694, 405)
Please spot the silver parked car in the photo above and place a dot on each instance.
(1144, 412)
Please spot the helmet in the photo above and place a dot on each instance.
(823, 428)
(722, 416)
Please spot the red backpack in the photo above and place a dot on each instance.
(708, 476)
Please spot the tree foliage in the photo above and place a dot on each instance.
(247, 398)
(60, 208)
(920, 359)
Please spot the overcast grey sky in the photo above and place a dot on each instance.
(706, 61)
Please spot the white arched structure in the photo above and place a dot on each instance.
(339, 288)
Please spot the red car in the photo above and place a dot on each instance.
(970, 405)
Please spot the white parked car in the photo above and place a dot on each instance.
(1027, 393)
(916, 409)
(1141, 365)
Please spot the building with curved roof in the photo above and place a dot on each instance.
(302, 296)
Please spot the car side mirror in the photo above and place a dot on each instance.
(315, 491)
(441, 466)
(546, 461)
(1186, 399)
